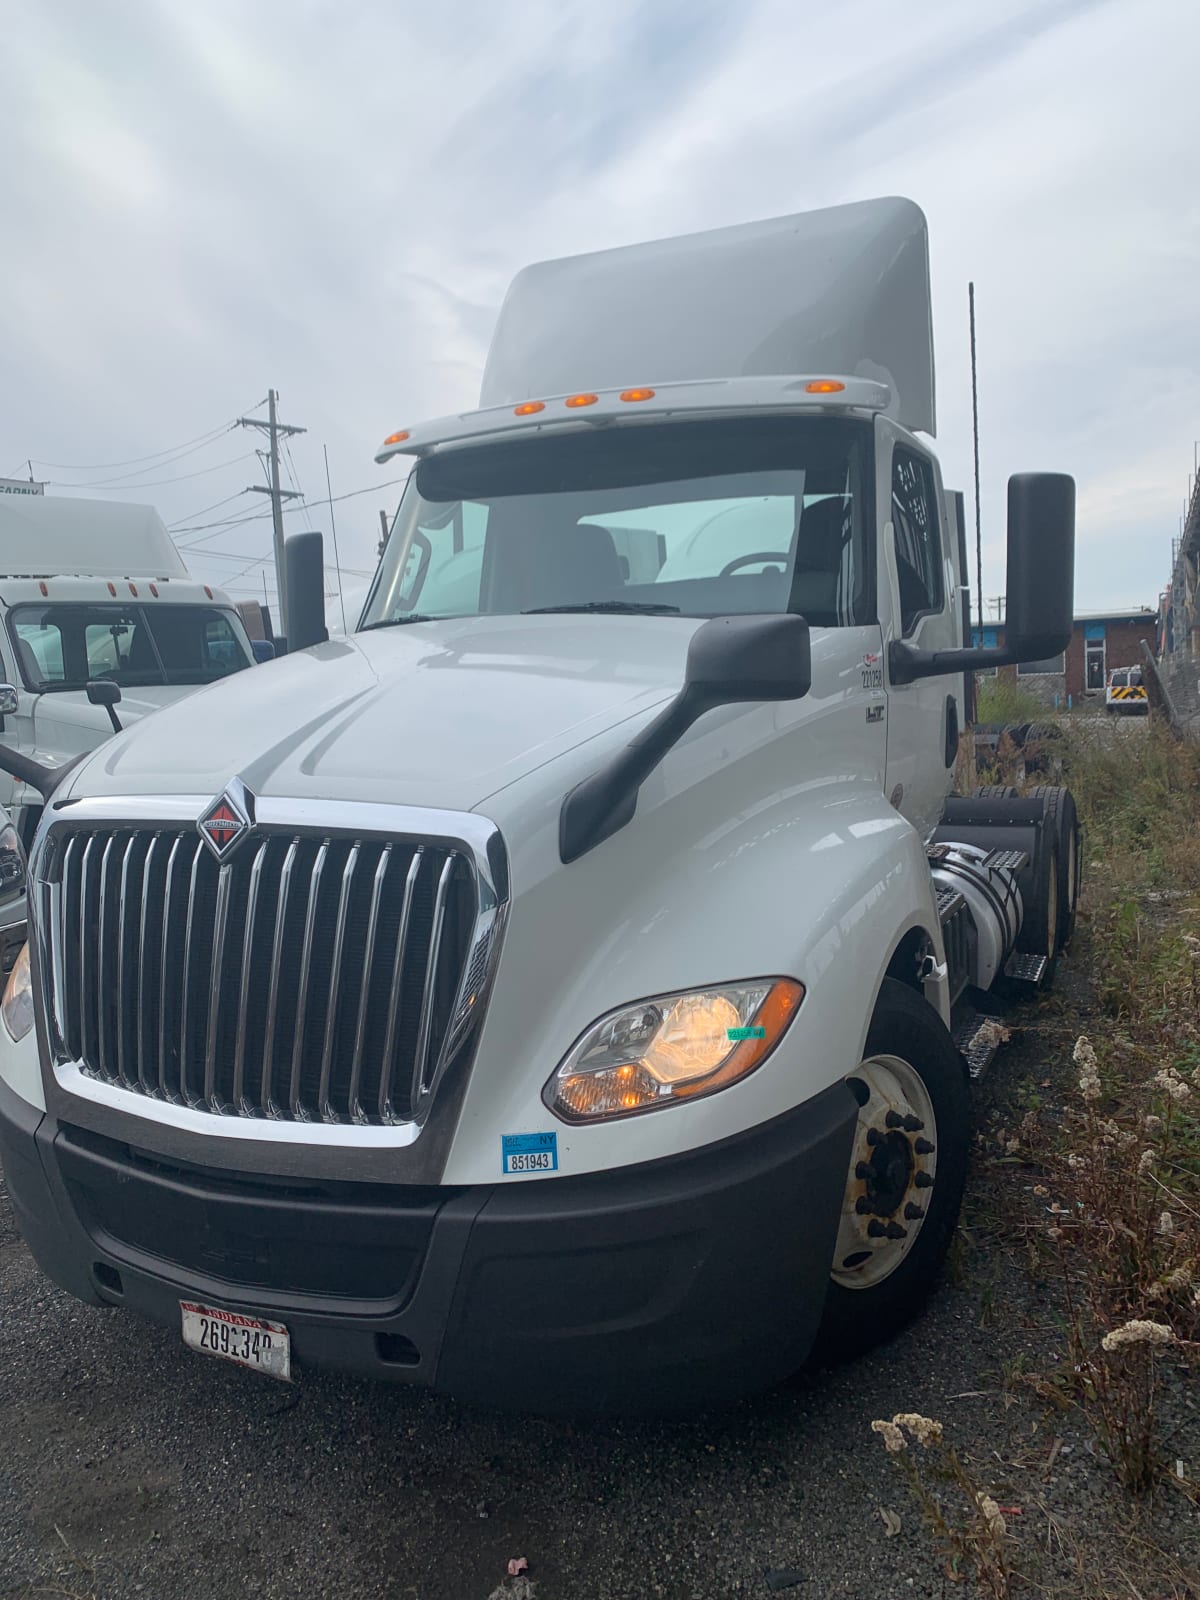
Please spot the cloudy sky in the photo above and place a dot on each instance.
(202, 199)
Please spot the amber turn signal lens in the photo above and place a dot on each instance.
(575, 400)
(397, 438)
(824, 386)
(529, 408)
(632, 395)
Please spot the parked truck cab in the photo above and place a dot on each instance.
(564, 991)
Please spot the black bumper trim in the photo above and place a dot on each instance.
(678, 1283)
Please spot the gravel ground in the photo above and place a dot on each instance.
(131, 1467)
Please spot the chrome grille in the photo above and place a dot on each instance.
(306, 978)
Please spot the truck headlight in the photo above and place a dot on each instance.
(12, 865)
(17, 1005)
(673, 1047)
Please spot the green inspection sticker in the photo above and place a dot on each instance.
(736, 1034)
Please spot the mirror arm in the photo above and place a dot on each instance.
(906, 664)
(604, 802)
(44, 779)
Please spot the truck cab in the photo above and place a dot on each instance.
(564, 991)
(97, 592)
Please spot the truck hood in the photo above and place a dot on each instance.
(73, 706)
(432, 714)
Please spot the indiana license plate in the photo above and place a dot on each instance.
(249, 1341)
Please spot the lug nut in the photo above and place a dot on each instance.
(862, 1205)
(863, 1169)
(874, 1136)
(914, 1213)
(895, 1231)
(923, 1180)
(913, 1125)
(876, 1229)
(923, 1147)
(894, 1120)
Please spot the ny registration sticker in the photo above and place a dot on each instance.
(529, 1152)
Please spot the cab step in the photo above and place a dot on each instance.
(1024, 968)
(979, 1039)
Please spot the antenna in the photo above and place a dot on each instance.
(975, 423)
(337, 565)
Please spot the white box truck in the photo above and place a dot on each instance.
(563, 991)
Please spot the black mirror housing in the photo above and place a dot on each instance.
(730, 660)
(304, 554)
(1040, 591)
(104, 692)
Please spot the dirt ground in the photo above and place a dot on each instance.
(131, 1467)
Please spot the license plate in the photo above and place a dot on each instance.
(249, 1341)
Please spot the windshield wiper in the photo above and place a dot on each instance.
(633, 606)
(398, 622)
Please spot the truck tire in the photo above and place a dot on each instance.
(996, 791)
(1063, 817)
(905, 1181)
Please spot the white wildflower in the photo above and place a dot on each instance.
(1171, 1083)
(1074, 1161)
(1166, 1225)
(893, 1439)
(1145, 1162)
(1138, 1332)
(1151, 1123)
(1083, 1055)
(1181, 1277)
(1040, 1190)
(992, 1515)
(923, 1429)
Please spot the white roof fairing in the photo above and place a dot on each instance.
(842, 291)
(45, 536)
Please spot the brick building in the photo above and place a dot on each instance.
(1100, 641)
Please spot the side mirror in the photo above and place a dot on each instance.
(8, 700)
(304, 554)
(1040, 588)
(730, 660)
(103, 692)
(264, 649)
(1038, 609)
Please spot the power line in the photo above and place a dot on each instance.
(185, 447)
(314, 505)
(203, 509)
(155, 483)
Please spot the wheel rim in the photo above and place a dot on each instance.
(893, 1166)
(1072, 870)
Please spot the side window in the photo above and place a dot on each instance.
(444, 563)
(918, 546)
(39, 652)
(222, 652)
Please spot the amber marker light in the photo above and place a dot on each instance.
(529, 408)
(577, 400)
(397, 438)
(824, 386)
(632, 396)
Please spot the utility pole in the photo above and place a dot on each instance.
(275, 428)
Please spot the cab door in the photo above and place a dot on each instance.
(919, 604)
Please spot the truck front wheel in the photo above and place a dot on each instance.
(904, 1187)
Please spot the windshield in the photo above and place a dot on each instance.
(64, 646)
(704, 519)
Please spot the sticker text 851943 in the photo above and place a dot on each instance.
(529, 1152)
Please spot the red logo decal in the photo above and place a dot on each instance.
(222, 827)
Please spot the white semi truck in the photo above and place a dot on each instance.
(563, 991)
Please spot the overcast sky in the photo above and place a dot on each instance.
(204, 200)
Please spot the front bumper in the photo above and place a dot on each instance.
(665, 1286)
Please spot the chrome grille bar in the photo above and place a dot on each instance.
(216, 976)
(310, 928)
(163, 989)
(354, 1106)
(189, 946)
(239, 1056)
(335, 976)
(122, 919)
(285, 881)
(420, 1057)
(103, 985)
(389, 1044)
(143, 927)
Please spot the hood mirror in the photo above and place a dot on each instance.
(104, 692)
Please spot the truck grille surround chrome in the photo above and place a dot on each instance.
(321, 974)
